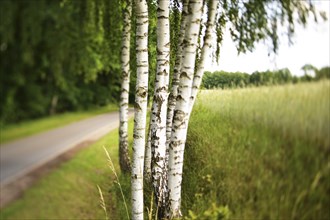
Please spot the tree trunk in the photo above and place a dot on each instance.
(180, 122)
(176, 72)
(205, 52)
(147, 158)
(124, 159)
(159, 108)
(140, 107)
(53, 105)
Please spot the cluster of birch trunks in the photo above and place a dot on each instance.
(159, 157)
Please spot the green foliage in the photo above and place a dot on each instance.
(213, 213)
(223, 80)
(254, 21)
(64, 49)
(323, 73)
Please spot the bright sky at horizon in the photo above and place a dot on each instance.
(310, 46)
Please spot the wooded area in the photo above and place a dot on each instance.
(223, 80)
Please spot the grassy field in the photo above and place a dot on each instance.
(260, 153)
(256, 153)
(23, 129)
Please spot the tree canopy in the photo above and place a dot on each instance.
(58, 50)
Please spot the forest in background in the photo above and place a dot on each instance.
(225, 80)
(58, 56)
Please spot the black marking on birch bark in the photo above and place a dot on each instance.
(160, 10)
(184, 74)
(142, 65)
(180, 98)
(141, 92)
(162, 17)
(142, 16)
(165, 63)
(136, 136)
(137, 106)
(159, 100)
(162, 73)
(124, 104)
(141, 50)
(124, 90)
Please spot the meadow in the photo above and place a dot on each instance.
(252, 153)
(260, 153)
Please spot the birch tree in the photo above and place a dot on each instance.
(147, 158)
(124, 159)
(206, 50)
(159, 107)
(140, 107)
(176, 72)
(180, 118)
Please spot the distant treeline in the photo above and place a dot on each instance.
(223, 80)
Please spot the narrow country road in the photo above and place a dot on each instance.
(19, 157)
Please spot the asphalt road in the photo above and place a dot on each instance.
(22, 156)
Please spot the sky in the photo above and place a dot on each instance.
(310, 46)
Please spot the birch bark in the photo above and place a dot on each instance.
(206, 50)
(140, 107)
(124, 160)
(176, 72)
(159, 108)
(147, 158)
(180, 122)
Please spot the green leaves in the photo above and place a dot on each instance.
(257, 20)
(60, 47)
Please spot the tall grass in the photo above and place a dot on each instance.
(263, 153)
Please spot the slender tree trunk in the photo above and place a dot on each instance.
(206, 50)
(53, 105)
(159, 108)
(176, 73)
(147, 158)
(180, 122)
(140, 107)
(124, 159)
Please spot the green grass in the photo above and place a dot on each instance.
(23, 129)
(70, 192)
(259, 153)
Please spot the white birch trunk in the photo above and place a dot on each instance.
(147, 158)
(180, 122)
(176, 72)
(206, 50)
(140, 107)
(159, 108)
(124, 160)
